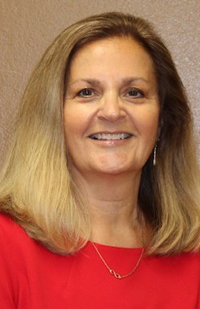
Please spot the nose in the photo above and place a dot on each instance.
(111, 108)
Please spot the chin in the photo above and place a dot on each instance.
(116, 169)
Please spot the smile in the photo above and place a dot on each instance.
(109, 136)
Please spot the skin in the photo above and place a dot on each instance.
(111, 88)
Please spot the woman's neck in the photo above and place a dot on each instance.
(113, 205)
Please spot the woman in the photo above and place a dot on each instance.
(100, 192)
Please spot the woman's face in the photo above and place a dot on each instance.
(111, 108)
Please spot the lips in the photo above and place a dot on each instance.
(110, 136)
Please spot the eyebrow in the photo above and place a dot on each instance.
(125, 81)
(130, 80)
(93, 81)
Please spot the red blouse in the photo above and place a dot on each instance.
(31, 277)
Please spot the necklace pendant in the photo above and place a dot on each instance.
(112, 272)
(116, 275)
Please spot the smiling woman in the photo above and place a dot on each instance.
(99, 194)
(111, 116)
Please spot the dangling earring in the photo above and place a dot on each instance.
(156, 145)
(154, 155)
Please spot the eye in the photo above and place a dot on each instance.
(86, 92)
(135, 93)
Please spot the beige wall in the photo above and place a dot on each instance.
(28, 26)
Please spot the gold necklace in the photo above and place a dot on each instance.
(112, 271)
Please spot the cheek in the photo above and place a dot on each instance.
(147, 124)
(72, 121)
(76, 123)
(70, 126)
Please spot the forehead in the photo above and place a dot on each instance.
(117, 53)
(112, 58)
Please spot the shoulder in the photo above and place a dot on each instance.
(15, 245)
(185, 264)
(8, 226)
(12, 236)
(24, 255)
(26, 266)
(22, 249)
(9, 260)
(18, 250)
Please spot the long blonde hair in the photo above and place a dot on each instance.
(36, 188)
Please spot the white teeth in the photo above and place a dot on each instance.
(109, 136)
